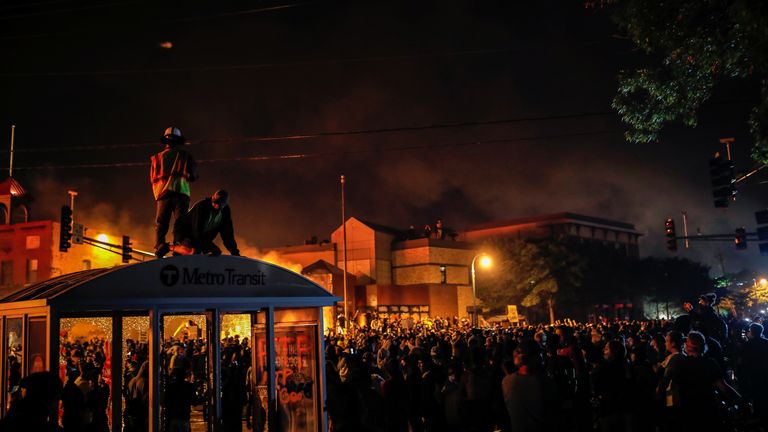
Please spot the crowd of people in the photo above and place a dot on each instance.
(694, 373)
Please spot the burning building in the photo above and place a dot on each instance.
(29, 250)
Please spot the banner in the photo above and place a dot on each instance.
(512, 314)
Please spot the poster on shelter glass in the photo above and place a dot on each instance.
(295, 376)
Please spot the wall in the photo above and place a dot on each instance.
(419, 261)
(19, 252)
(18, 245)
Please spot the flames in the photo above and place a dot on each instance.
(277, 259)
(271, 257)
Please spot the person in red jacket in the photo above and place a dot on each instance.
(171, 171)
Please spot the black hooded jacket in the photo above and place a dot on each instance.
(195, 226)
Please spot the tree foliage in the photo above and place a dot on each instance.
(530, 273)
(573, 277)
(692, 46)
(673, 280)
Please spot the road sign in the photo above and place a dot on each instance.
(77, 233)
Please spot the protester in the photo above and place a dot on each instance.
(194, 232)
(171, 171)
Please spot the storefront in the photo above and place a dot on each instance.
(247, 335)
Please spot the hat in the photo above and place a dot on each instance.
(710, 298)
(172, 135)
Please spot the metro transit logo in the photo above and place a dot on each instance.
(169, 275)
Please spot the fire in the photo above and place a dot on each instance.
(271, 257)
(276, 259)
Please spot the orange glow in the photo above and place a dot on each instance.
(485, 261)
(276, 259)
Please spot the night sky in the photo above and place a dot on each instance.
(93, 74)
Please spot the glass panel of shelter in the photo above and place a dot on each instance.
(185, 381)
(85, 368)
(37, 344)
(296, 369)
(14, 340)
(135, 373)
(240, 409)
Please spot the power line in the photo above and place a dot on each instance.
(74, 9)
(336, 153)
(31, 5)
(163, 21)
(244, 12)
(312, 135)
(257, 66)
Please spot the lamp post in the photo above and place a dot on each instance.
(485, 261)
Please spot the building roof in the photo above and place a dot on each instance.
(175, 280)
(323, 266)
(381, 228)
(557, 218)
(317, 247)
(431, 242)
(10, 186)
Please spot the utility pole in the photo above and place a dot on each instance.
(719, 256)
(685, 227)
(10, 165)
(344, 241)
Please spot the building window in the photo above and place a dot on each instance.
(86, 264)
(443, 276)
(33, 242)
(6, 273)
(31, 270)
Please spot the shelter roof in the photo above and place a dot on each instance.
(175, 278)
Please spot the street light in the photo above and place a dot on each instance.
(485, 262)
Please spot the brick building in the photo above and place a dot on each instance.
(614, 234)
(29, 250)
(392, 272)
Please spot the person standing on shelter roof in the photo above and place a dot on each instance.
(171, 172)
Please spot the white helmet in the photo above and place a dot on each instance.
(172, 134)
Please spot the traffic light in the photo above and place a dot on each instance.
(740, 239)
(669, 231)
(723, 180)
(127, 249)
(65, 233)
(761, 218)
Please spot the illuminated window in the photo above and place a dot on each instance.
(31, 270)
(33, 242)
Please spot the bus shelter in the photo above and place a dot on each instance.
(247, 335)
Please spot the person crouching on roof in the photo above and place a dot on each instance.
(194, 232)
